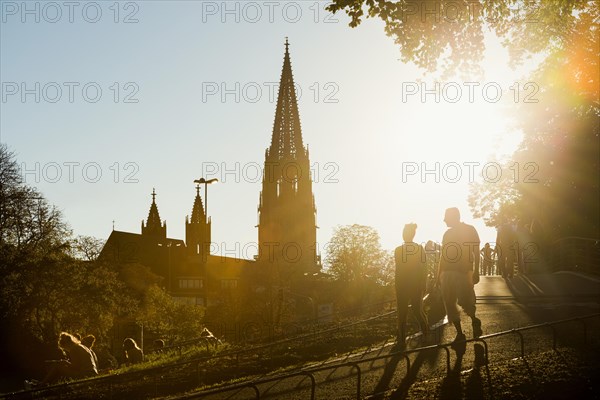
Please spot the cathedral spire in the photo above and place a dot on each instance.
(286, 141)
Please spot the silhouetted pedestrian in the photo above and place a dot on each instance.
(458, 271)
(411, 282)
(488, 261)
(506, 248)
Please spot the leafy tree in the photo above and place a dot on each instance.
(552, 181)
(71, 295)
(450, 33)
(44, 289)
(354, 254)
(169, 318)
(29, 227)
(87, 247)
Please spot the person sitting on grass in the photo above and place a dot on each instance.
(88, 341)
(159, 345)
(209, 337)
(80, 364)
(133, 354)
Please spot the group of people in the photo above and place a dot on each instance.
(457, 273)
(514, 251)
(79, 359)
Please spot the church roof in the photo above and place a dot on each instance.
(127, 246)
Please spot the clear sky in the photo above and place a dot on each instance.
(104, 101)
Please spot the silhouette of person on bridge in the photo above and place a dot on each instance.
(488, 260)
(506, 247)
(458, 271)
(411, 282)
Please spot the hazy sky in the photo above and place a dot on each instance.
(103, 101)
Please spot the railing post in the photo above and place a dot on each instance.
(358, 379)
(521, 339)
(313, 384)
(485, 347)
(551, 326)
(256, 391)
(445, 347)
(407, 365)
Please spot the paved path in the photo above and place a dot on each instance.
(502, 305)
(560, 284)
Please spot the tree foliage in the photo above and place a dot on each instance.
(449, 34)
(87, 247)
(168, 318)
(561, 140)
(354, 254)
(553, 179)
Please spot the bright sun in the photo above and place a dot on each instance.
(448, 136)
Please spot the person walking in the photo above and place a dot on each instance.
(458, 271)
(411, 282)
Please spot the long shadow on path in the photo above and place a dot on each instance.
(429, 356)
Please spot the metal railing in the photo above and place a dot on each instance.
(254, 385)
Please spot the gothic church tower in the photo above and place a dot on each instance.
(287, 231)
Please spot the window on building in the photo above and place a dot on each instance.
(229, 283)
(190, 284)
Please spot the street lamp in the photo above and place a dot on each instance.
(206, 183)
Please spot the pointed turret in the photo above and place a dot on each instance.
(153, 225)
(198, 214)
(197, 229)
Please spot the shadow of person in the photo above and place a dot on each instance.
(451, 387)
(387, 376)
(429, 356)
(474, 388)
